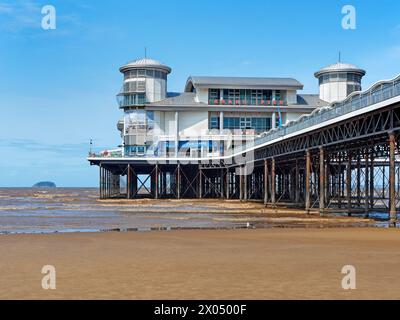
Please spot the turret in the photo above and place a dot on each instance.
(338, 80)
(145, 81)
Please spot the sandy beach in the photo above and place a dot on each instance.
(203, 264)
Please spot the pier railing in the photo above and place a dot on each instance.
(379, 92)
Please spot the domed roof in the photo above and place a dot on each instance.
(143, 64)
(342, 67)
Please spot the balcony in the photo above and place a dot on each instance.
(245, 102)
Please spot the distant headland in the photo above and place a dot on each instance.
(44, 184)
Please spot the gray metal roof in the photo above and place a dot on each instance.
(143, 64)
(340, 67)
(188, 100)
(238, 82)
(310, 100)
(183, 99)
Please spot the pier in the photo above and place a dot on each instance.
(339, 158)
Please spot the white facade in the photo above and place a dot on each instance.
(218, 112)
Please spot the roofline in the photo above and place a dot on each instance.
(190, 82)
(360, 72)
(128, 67)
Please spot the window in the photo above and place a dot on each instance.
(261, 124)
(141, 73)
(141, 98)
(231, 95)
(333, 77)
(352, 87)
(141, 86)
(213, 94)
(278, 95)
(150, 119)
(150, 73)
(231, 123)
(243, 123)
(214, 123)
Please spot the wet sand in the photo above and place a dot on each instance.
(203, 264)
(29, 210)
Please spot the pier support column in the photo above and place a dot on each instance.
(371, 181)
(358, 181)
(227, 183)
(340, 181)
(245, 183)
(101, 181)
(307, 182)
(348, 184)
(222, 183)
(273, 183)
(178, 181)
(366, 183)
(200, 183)
(297, 183)
(106, 180)
(241, 187)
(128, 182)
(156, 191)
(392, 178)
(321, 181)
(266, 174)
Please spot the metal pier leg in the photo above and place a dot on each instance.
(129, 183)
(273, 183)
(178, 181)
(101, 181)
(348, 185)
(366, 183)
(297, 184)
(321, 182)
(392, 179)
(200, 183)
(245, 183)
(265, 181)
(307, 182)
(340, 182)
(241, 183)
(222, 182)
(371, 182)
(358, 181)
(106, 183)
(227, 183)
(156, 191)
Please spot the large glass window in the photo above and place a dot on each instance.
(242, 96)
(243, 123)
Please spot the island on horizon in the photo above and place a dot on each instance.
(44, 184)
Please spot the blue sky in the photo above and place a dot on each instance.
(58, 87)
